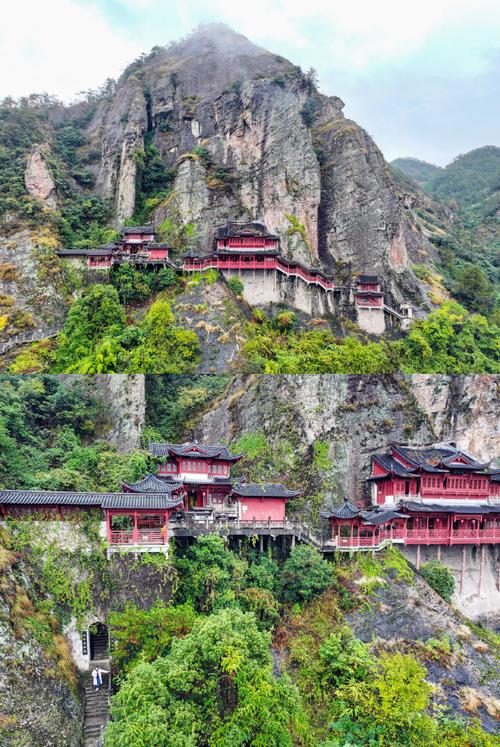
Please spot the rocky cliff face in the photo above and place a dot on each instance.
(126, 398)
(462, 409)
(38, 179)
(39, 705)
(250, 137)
(355, 416)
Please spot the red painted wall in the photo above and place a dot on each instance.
(262, 509)
(158, 253)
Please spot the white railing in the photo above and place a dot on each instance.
(33, 335)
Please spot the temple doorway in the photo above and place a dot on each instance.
(99, 641)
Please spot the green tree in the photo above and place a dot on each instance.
(235, 285)
(165, 347)
(214, 687)
(147, 634)
(473, 289)
(209, 574)
(305, 574)
(95, 315)
(131, 284)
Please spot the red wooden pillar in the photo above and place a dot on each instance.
(338, 535)
(451, 519)
(165, 536)
(333, 530)
(135, 532)
(108, 526)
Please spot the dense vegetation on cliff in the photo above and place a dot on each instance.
(464, 221)
(53, 436)
(200, 672)
(171, 143)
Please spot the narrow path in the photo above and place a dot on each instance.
(96, 710)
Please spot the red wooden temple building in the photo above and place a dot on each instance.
(193, 489)
(251, 246)
(137, 245)
(421, 496)
(368, 291)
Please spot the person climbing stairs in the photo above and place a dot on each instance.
(96, 708)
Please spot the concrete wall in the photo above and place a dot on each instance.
(371, 319)
(264, 287)
(477, 594)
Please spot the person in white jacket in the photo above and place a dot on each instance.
(97, 673)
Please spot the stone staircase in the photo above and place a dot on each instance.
(96, 708)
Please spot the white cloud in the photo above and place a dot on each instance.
(59, 47)
(357, 33)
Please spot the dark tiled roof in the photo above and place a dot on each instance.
(495, 476)
(141, 500)
(51, 498)
(152, 484)
(72, 252)
(380, 517)
(346, 510)
(367, 293)
(392, 465)
(194, 450)
(252, 228)
(99, 252)
(103, 500)
(155, 245)
(267, 490)
(138, 229)
(368, 279)
(451, 508)
(430, 457)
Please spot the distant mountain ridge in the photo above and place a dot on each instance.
(459, 205)
(416, 169)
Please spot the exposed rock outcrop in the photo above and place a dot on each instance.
(251, 138)
(38, 179)
(354, 415)
(126, 398)
(464, 409)
(38, 701)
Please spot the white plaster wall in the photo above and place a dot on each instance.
(474, 602)
(66, 534)
(371, 320)
(266, 287)
(74, 637)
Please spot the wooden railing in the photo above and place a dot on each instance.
(266, 263)
(122, 538)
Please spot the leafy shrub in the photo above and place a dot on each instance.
(285, 319)
(440, 578)
(346, 658)
(305, 574)
(147, 634)
(235, 285)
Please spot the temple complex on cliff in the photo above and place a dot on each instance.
(423, 496)
(253, 254)
(136, 245)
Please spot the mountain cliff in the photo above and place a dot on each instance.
(207, 129)
(246, 135)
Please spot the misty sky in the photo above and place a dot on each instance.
(423, 78)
